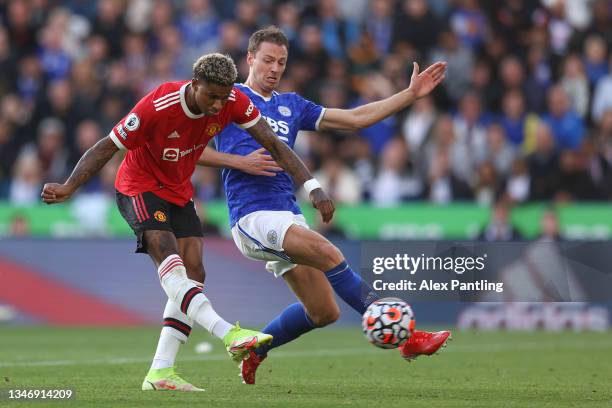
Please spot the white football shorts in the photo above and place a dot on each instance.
(260, 234)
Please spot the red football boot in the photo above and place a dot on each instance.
(423, 343)
(248, 367)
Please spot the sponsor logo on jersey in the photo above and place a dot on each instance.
(190, 150)
(121, 131)
(160, 216)
(278, 126)
(132, 122)
(285, 111)
(213, 129)
(174, 135)
(272, 237)
(249, 109)
(171, 154)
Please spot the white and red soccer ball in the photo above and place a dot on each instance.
(388, 323)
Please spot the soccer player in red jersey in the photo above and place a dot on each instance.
(164, 135)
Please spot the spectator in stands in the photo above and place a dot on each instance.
(443, 186)
(575, 180)
(339, 181)
(52, 153)
(418, 124)
(594, 58)
(543, 165)
(397, 179)
(8, 154)
(518, 183)
(575, 83)
(470, 24)
(416, 26)
(500, 228)
(498, 151)
(460, 64)
(470, 131)
(487, 184)
(27, 179)
(602, 100)
(518, 124)
(375, 87)
(566, 126)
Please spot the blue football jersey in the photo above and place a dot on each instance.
(287, 114)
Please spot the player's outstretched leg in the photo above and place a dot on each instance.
(318, 308)
(192, 302)
(423, 343)
(359, 295)
(310, 248)
(290, 324)
(162, 374)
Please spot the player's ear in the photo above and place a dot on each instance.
(250, 58)
(195, 84)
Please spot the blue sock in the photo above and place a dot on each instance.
(287, 326)
(351, 287)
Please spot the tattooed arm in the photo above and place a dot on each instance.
(90, 163)
(292, 164)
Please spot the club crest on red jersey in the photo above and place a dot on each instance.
(213, 129)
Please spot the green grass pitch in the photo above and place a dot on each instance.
(331, 367)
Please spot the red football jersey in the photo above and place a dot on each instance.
(164, 140)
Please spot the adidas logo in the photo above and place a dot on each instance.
(174, 135)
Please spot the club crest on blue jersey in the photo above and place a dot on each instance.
(285, 111)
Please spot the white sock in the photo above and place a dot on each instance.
(221, 328)
(167, 348)
(177, 327)
(189, 297)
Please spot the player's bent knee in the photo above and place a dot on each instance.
(325, 317)
(329, 254)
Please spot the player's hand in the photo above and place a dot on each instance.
(323, 203)
(259, 163)
(56, 193)
(423, 83)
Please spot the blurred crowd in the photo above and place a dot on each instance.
(524, 114)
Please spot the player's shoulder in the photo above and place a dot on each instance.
(292, 97)
(166, 91)
(164, 96)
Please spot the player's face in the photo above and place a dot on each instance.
(267, 65)
(210, 98)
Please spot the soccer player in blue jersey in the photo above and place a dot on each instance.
(266, 220)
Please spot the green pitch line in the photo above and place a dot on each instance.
(327, 368)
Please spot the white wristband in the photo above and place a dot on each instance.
(310, 185)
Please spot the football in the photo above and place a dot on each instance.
(388, 323)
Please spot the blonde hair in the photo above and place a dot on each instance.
(216, 68)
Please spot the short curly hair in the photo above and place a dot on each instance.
(216, 68)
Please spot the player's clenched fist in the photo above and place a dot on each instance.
(55, 193)
(323, 203)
